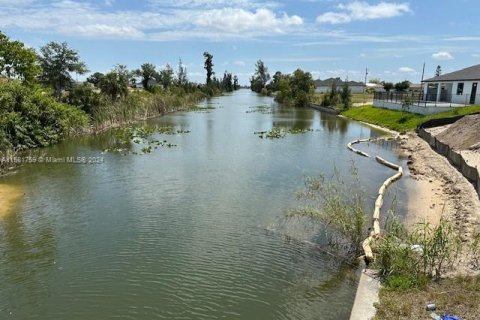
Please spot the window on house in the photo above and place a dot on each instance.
(460, 89)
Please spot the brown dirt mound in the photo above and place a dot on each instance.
(463, 134)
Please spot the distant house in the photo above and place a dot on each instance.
(376, 87)
(415, 88)
(459, 87)
(323, 86)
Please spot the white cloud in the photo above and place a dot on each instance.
(102, 30)
(469, 38)
(208, 4)
(232, 20)
(363, 11)
(442, 55)
(406, 70)
(15, 2)
(88, 20)
(239, 63)
(476, 55)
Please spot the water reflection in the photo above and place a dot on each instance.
(179, 233)
(28, 253)
(333, 123)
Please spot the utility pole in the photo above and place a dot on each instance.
(366, 74)
(421, 83)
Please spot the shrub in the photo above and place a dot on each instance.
(31, 117)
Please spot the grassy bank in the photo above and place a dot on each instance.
(458, 296)
(398, 120)
(31, 117)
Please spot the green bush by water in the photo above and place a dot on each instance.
(30, 117)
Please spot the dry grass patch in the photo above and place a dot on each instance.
(458, 296)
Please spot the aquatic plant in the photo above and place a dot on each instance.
(263, 109)
(277, 133)
(200, 108)
(339, 207)
(144, 136)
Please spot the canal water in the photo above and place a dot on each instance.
(192, 230)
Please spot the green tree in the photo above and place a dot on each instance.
(260, 78)
(438, 71)
(148, 73)
(333, 94)
(16, 61)
(275, 83)
(58, 61)
(30, 118)
(262, 72)
(236, 86)
(256, 84)
(115, 83)
(84, 97)
(388, 86)
(346, 96)
(182, 79)
(303, 87)
(95, 78)
(208, 65)
(227, 82)
(284, 93)
(296, 89)
(402, 86)
(375, 81)
(166, 76)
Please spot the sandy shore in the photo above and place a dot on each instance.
(9, 196)
(437, 188)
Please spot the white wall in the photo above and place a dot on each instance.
(413, 109)
(467, 90)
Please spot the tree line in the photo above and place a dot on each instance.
(295, 89)
(41, 103)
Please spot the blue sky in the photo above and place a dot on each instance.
(329, 38)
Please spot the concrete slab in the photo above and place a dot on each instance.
(367, 294)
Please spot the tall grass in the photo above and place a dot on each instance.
(140, 106)
(410, 259)
(339, 206)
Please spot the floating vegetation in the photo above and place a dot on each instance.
(277, 133)
(142, 136)
(201, 108)
(263, 109)
(298, 131)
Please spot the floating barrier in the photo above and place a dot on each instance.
(375, 233)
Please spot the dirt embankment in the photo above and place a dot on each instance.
(438, 188)
(462, 136)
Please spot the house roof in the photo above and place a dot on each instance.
(338, 81)
(470, 73)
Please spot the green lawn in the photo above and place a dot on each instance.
(398, 120)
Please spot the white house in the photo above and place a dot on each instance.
(324, 86)
(459, 87)
(375, 87)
